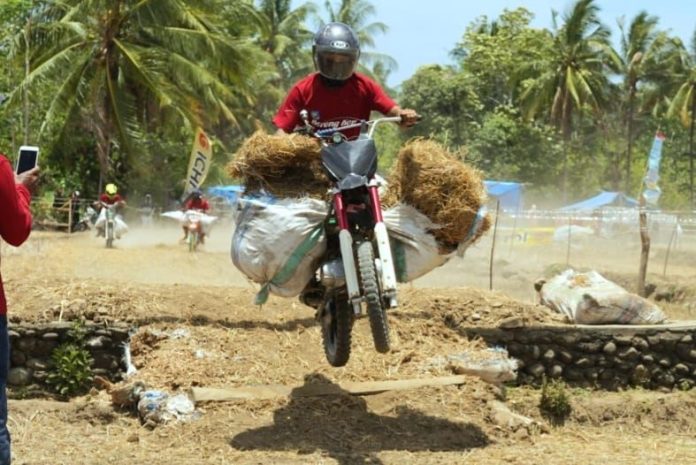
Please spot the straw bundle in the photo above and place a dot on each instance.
(447, 191)
(285, 166)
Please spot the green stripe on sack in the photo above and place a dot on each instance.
(399, 256)
(290, 266)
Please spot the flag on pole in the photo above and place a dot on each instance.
(199, 163)
(651, 191)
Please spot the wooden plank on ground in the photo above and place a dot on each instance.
(274, 391)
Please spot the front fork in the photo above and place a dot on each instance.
(346, 243)
(388, 273)
(386, 270)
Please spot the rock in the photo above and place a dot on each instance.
(640, 375)
(654, 340)
(26, 344)
(665, 362)
(535, 352)
(37, 364)
(19, 376)
(666, 380)
(640, 344)
(502, 416)
(511, 322)
(13, 334)
(623, 340)
(584, 362)
(688, 339)
(17, 357)
(50, 336)
(649, 359)
(609, 348)
(549, 355)
(629, 354)
(565, 356)
(681, 369)
(590, 347)
(555, 371)
(536, 370)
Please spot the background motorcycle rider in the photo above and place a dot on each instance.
(195, 201)
(336, 95)
(111, 197)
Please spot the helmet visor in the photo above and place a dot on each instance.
(338, 66)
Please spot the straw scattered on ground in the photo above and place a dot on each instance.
(443, 188)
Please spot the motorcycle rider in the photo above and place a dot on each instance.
(336, 95)
(110, 197)
(197, 202)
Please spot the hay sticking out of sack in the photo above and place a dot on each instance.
(446, 190)
(282, 165)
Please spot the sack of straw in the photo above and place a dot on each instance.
(446, 190)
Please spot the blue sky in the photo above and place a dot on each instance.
(423, 32)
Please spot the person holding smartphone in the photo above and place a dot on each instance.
(15, 226)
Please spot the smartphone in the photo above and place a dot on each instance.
(28, 157)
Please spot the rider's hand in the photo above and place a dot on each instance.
(28, 178)
(409, 117)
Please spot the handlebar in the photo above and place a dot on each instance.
(372, 124)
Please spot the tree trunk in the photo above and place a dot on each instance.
(629, 145)
(27, 69)
(691, 150)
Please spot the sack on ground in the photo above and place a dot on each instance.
(278, 243)
(589, 298)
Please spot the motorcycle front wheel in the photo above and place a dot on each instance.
(192, 241)
(336, 328)
(375, 310)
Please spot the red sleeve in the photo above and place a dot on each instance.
(288, 116)
(15, 216)
(188, 203)
(381, 101)
(104, 198)
(206, 205)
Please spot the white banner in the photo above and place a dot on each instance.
(199, 163)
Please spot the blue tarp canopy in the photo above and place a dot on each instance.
(509, 193)
(603, 199)
(229, 193)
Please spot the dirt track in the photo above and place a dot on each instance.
(155, 284)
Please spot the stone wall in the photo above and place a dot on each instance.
(33, 344)
(609, 357)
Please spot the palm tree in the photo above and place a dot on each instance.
(125, 66)
(645, 55)
(355, 13)
(684, 104)
(576, 76)
(283, 35)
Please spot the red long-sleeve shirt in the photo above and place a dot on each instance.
(15, 216)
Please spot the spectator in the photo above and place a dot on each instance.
(15, 226)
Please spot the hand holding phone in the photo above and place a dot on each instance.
(28, 178)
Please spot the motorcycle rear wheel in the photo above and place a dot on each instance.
(375, 310)
(336, 329)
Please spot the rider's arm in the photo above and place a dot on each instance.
(288, 115)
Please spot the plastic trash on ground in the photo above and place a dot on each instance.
(158, 407)
(589, 298)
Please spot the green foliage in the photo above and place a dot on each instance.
(72, 364)
(555, 401)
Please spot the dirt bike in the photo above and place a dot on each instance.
(358, 266)
(194, 229)
(109, 224)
